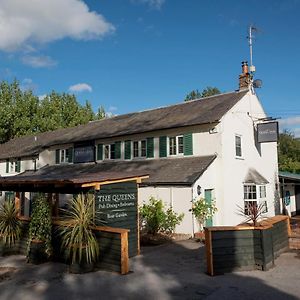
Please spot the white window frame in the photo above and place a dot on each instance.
(140, 151)
(255, 194)
(108, 154)
(179, 147)
(240, 146)
(12, 166)
(64, 156)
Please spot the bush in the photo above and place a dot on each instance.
(155, 218)
(203, 211)
(40, 227)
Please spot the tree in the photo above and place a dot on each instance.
(208, 91)
(289, 153)
(23, 113)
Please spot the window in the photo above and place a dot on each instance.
(9, 196)
(110, 151)
(238, 146)
(64, 155)
(251, 198)
(176, 145)
(140, 148)
(13, 166)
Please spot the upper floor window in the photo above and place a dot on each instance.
(13, 166)
(140, 148)
(64, 155)
(109, 151)
(238, 146)
(176, 145)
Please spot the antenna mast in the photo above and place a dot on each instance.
(250, 38)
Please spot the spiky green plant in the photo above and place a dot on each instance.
(78, 238)
(10, 225)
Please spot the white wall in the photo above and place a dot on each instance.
(240, 120)
(180, 198)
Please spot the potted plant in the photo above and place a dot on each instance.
(10, 226)
(202, 211)
(40, 230)
(78, 240)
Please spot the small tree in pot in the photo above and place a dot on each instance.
(10, 226)
(203, 211)
(40, 231)
(78, 240)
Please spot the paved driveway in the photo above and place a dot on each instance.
(172, 271)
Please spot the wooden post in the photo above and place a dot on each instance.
(288, 224)
(209, 253)
(124, 253)
(18, 203)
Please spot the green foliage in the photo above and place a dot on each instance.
(155, 218)
(203, 210)
(40, 227)
(252, 212)
(10, 225)
(23, 113)
(78, 238)
(289, 153)
(208, 91)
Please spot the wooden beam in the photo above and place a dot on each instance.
(124, 253)
(209, 253)
(18, 203)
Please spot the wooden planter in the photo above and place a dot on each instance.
(37, 252)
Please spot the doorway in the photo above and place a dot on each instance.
(208, 200)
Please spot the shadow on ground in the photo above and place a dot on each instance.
(172, 271)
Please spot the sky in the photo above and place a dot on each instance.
(133, 55)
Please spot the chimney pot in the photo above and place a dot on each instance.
(245, 69)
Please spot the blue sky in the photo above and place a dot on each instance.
(131, 55)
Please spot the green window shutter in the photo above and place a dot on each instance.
(57, 156)
(188, 143)
(150, 147)
(100, 152)
(162, 146)
(70, 155)
(18, 166)
(117, 150)
(7, 166)
(127, 150)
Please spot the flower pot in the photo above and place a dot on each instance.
(37, 252)
(82, 267)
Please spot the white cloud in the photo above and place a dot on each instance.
(156, 4)
(27, 84)
(80, 87)
(42, 97)
(23, 23)
(292, 121)
(38, 61)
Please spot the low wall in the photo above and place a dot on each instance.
(113, 243)
(245, 247)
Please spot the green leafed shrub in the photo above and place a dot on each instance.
(203, 211)
(40, 227)
(156, 218)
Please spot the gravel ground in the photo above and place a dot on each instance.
(171, 271)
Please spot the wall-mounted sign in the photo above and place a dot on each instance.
(116, 206)
(267, 132)
(84, 154)
(287, 198)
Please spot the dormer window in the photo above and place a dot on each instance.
(13, 166)
(140, 148)
(64, 155)
(176, 145)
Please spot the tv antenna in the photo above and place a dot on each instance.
(250, 39)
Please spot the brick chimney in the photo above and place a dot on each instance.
(244, 78)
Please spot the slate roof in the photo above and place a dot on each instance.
(196, 112)
(161, 171)
(254, 177)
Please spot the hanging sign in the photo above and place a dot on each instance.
(267, 132)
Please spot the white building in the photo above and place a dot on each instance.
(201, 148)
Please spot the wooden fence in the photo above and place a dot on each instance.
(113, 243)
(244, 247)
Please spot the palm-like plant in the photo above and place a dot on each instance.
(10, 225)
(252, 212)
(78, 238)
